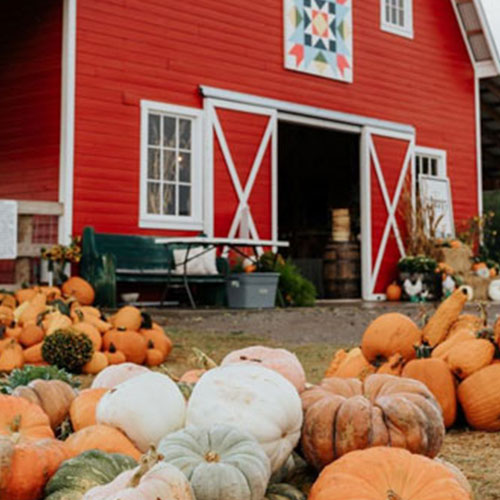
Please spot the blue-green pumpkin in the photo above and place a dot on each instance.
(81, 473)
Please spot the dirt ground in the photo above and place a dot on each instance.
(314, 335)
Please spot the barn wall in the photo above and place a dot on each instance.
(163, 50)
(30, 94)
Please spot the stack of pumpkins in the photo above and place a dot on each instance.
(455, 355)
(77, 336)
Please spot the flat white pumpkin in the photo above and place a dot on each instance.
(221, 463)
(146, 408)
(252, 398)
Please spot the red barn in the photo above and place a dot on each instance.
(157, 117)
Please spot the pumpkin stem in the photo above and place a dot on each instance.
(423, 350)
(203, 360)
(147, 462)
(16, 423)
(212, 456)
(392, 495)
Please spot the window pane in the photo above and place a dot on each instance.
(184, 167)
(402, 18)
(425, 165)
(169, 199)
(154, 130)
(153, 163)
(394, 19)
(169, 165)
(185, 134)
(388, 13)
(434, 169)
(153, 198)
(169, 131)
(184, 200)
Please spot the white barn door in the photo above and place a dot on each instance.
(241, 170)
(387, 169)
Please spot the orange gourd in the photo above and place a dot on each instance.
(389, 334)
(33, 355)
(11, 356)
(393, 366)
(387, 474)
(114, 356)
(466, 358)
(52, 292)
(36, 306)
(97, 363)
(393, 292)
(442, 350)
(351, 365)
(466, 322)
(31, 335)
(159, 340)
(25, 294)
(80, 289)
(83, 408)
(6, 316)
(101, 437)
(131, 343)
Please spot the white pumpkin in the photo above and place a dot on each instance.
(494, 290)
(280, 360)
(117, 374)
(146, 408)
(254, 399)
(152, 480)
(221, 463)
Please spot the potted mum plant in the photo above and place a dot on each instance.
(56, 261)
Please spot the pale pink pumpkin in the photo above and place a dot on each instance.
(280, 360)
(116, 374)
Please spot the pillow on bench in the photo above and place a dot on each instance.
(201, 261)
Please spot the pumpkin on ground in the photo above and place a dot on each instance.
(53, 396)
(92, 333)
(384, 473)
(479, 396)
(253, 398)
(101, 437)
(114, 356)
(352, 364)
(31, 335)
(192, 376)
(389, 334)
(146, 408)
(80, 289)
(97, 363)
(394, 292)
(466, 358)
(154, 357)
(221, 463)
(83, 408)
(85, 471)
(11, 356)
(131, 343)
(33, 355)
(283, 491)
(280, 360)
(27, 465)
(128, 317)
(438, 326)
(158, 339)
(343, 415)
(437, 376)
(152, 480)
(113, 375)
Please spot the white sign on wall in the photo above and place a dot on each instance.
(436, 191)
(8, 229)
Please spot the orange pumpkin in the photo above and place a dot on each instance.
(101, 437)
(350, 365)
(154, 357)
(393, 366)
(442, 350)
(97, 363)
(159, 340)
(115, 357)
(92, 333)
(387, 474)
(389, 334)
(8, 300)
(192, 376)
(466, 322)
(80, 289)
(455, 244)
(393, 292)
(33, 355)
(466, 358)
(6, 316)
(13, 332)
(52, 292)
(25, 294)
(31, 335)
(11, 356)
(83, 408)
(36, 306)
(132, 344)
(343, 415)
(128, 317)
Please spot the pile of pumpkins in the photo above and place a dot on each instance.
(242, 433)
(31, 315)
(455, 355)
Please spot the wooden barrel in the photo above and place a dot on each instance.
(342, 270)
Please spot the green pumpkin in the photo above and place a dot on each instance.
(283, 491)
(91, 468)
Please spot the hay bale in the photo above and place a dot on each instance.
(458, 258)
(478, 284)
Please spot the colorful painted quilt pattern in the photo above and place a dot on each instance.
(318, 37)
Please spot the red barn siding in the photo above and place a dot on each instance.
(163, 50)
(30, 94)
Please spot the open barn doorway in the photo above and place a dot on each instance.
(318, 172)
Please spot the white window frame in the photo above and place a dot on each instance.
(404, 31)
(175, 222)
(439, 154)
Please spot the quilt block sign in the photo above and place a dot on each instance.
(318, 37)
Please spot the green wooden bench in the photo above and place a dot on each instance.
(109, 259)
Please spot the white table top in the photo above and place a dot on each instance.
(234, 242)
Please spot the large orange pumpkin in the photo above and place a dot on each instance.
(387, 474)
(479, 396)
(80, 289)
(343, 415)
(389, 334)
(83, 407)
(466, 358)
(133, 344)
(436, 375)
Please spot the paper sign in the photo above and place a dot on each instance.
(436, 191)
(8, 229)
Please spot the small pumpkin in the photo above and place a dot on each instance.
(97, 363)
(11, 356)
(221, 462)
(113, 375)
(53, 396)
(131, 343)
(52, 292)
(6, 316)
(377, 473)
(29, 313)
(56, 321)
(25, 294)
(128, 317)
(114, 356)
(146, 408)
(13, 332)
(89, 469)
(31, 335)
(154, 357)
(33, 355)
(393, 292)
(192, 376)
(83, 408)
(159, 340)
(80, 289)
(101, 437)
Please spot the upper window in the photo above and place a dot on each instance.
(430, 161)
(397, 17)
(171, 194)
